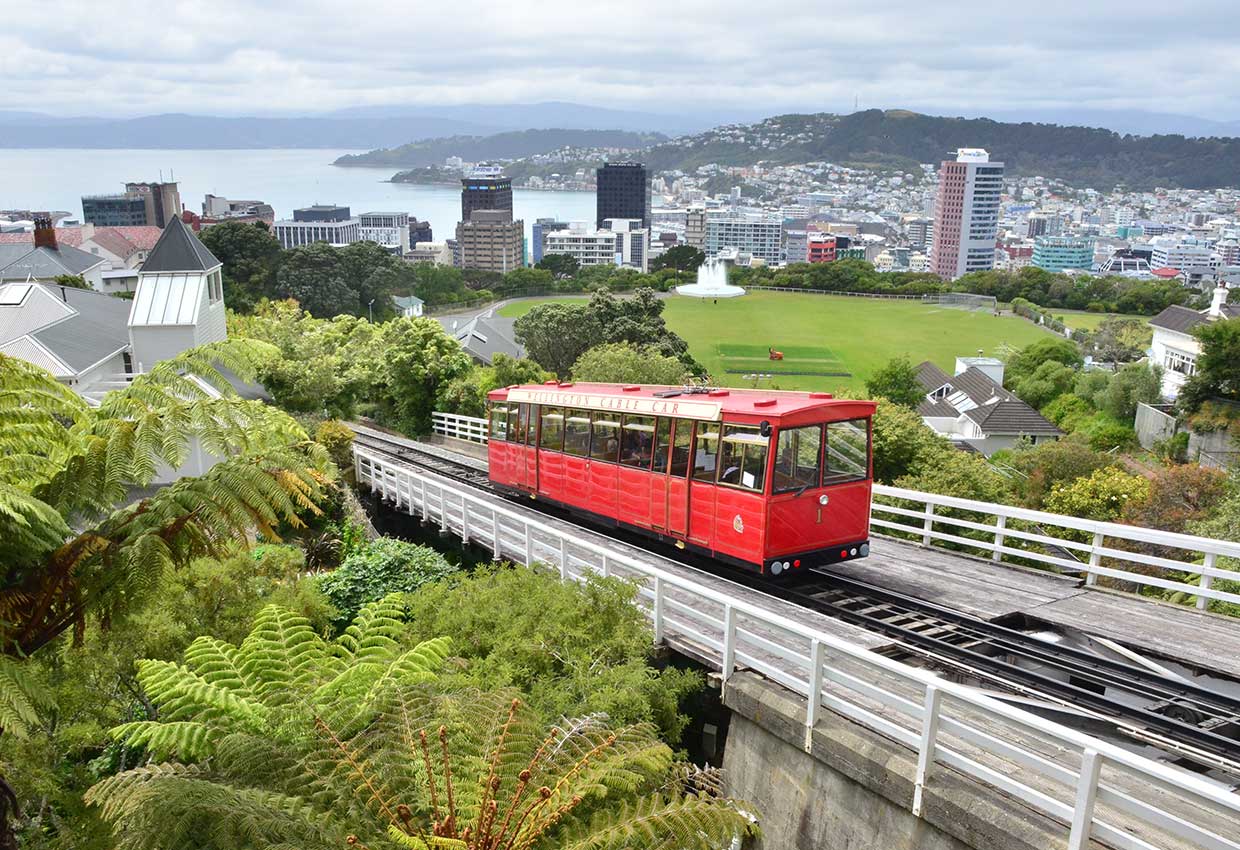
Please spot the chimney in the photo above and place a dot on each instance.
(1220, 298)
(45, 234)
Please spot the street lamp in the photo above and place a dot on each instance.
(371, 308)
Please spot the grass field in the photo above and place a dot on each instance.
(1082, 320)
(842, 341)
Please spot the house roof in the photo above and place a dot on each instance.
(124, 242)
(21, 261)
(1011, 417)
(995, 410)
(407, 301)
(1165, 271)
(71, 236)
(85, 328)
(484, 336)
(1179, 319)
(179, 250)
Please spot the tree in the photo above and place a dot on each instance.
(1118, 341)
(1048, 465)
(1044, 384)
(1132, 384)
(375, 275)
(384, 566)
(467, 394)
(896, 382)
(314, 276)
(439, 770)
(1179, 497)
(555, 335)
(1218, 366)
(250, 254)
(903, 444)
(623, 363)
(1104, 494)
(1026, 361)
(591, 654)
(70, 546)
(412, 359)
(560, 265)
(73, 281)
(682, 258)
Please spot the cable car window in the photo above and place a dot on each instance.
(796, 458)
(705, 452)
(848, 451)
(499, 421)
(662, 443)
(530, 414)
(516, 422)
(577, 433)
(605, 437)
(552, 429)
(742, 457)
(682, 442)
(637, 441)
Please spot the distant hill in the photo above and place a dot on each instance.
(511, 145)
(1082, 156)
(30, 130)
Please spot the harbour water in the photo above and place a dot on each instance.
(58, 178)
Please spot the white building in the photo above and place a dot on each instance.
(622, 243)
(435, 253)
(1174, 346)
(294, 234)
(389, 229)
(758, 234)
(1171, 252)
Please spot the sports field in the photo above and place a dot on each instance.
(829, 342)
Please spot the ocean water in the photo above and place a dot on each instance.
(58, 178)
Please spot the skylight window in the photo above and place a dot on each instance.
(14, 294)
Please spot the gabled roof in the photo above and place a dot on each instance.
(124, 242)
(484, 336)
(71, 236)
(86, 327)
(179, 250)
(17, 262)
(1179, 319)
(1011, 417)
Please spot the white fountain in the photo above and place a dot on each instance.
(712, 282)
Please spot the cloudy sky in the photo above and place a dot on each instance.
(124, 58)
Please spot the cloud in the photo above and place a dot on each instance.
(229, 57)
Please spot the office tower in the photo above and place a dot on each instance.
(623, 192)
(543, 228)
(389, 229)
(485, 189)
(966, 214)
(150, 204)
(320, 223)
(491, 241)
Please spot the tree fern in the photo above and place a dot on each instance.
(68, 544)
(433, 771)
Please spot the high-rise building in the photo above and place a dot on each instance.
(389, 229)
(920, 233)
(485, 189)
(420, 231)
(320, 223)
(759, 234)
(1056, 253)
(966, 214)
(820, 248)
(695, 226)
(491, 241)
(542, 228)
(623, 192)
(150, 204)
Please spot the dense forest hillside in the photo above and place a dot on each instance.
(512, 145)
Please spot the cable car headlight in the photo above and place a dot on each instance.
(824, 499)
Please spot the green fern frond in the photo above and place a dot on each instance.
(167, 739)
(685, 823)
(20, 699)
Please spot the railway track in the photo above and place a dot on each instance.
(1188, 722)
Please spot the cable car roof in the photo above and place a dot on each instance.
(686, 402)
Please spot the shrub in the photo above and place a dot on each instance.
(1106, 433)
(1068, 411)
(1049, 465)
(386, 566)
(337, 438)
(1103, 495)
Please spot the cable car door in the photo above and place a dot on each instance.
(678, 478)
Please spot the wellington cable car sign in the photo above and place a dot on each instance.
(679, 407)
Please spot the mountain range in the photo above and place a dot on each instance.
(370, 127)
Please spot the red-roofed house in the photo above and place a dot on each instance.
(1166, 273)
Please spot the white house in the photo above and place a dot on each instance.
(974, 411)
(1174, 346)
(410, 306)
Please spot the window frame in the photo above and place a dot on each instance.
(545, 411)
(569, 414)
(624, 429)
(494, 409)
(605, 416)
(818, 474)
(766, 460)
(869, 448)
(698, 436)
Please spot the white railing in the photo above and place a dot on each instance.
(1094, 549)
(471, 428)
(1097, 790)
(1005, 533)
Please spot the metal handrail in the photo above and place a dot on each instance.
(925, 523)
(827, 667)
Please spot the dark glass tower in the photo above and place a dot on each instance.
(623, 192)
(485, 193)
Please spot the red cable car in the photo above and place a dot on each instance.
(771, 481)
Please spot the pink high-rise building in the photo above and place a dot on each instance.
(966, 214)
